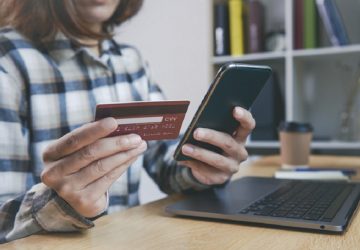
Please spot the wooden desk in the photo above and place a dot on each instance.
(149, 227)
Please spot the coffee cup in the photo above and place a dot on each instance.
(295, 143)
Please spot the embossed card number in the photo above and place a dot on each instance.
(151, 120)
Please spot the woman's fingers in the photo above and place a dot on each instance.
(215, 160)
(224, 141)
(54, 173)
(79, 138)
(247, 124)
(206, 174)
(98, 150)
(102, 167)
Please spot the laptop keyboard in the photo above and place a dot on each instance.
(302, 200)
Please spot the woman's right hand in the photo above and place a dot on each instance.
(82, 165)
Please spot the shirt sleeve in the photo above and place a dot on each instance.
(25, 211)
(159, 162)
(170, 176)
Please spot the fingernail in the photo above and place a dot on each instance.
(109, 123)
(199, 133)
(143, 146)
(239, 112)
(135, 139)
(188, 150)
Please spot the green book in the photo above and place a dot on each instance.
(310, 24)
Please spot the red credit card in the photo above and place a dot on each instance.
(158, 120)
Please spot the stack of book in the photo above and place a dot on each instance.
(239, 27)
(313, 173)
(306, 14)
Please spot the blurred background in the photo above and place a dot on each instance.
(313, 47)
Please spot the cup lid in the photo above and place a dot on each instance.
(291, 126)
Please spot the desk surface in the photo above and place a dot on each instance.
(149, 227)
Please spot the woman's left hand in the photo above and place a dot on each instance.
(212, 168)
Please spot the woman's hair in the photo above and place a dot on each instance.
(40, 20)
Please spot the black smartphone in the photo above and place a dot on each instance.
(234, 85)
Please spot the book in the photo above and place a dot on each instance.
(299, 24)
(333, 22)
(311, 175)
(345, 171)
(310, 24)
(221, 30)
(254, 26)
(236, 27)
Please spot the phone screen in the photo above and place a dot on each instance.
(234, 85)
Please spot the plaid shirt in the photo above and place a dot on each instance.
(46, 93)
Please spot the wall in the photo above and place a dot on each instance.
(174, 36)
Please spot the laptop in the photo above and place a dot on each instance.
(326, 206)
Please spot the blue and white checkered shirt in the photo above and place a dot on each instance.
(62, 84)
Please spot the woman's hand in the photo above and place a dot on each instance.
(82, 165)
(211, 168)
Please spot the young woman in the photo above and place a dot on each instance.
(58, 59)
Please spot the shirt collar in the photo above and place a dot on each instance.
(110, 46)
(61, 49)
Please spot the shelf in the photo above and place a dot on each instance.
(310, 80)
(250, 57)
(328, 51)
(268, 56)
(329, 147)
(314, 145)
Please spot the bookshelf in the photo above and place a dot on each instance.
(316, 83)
